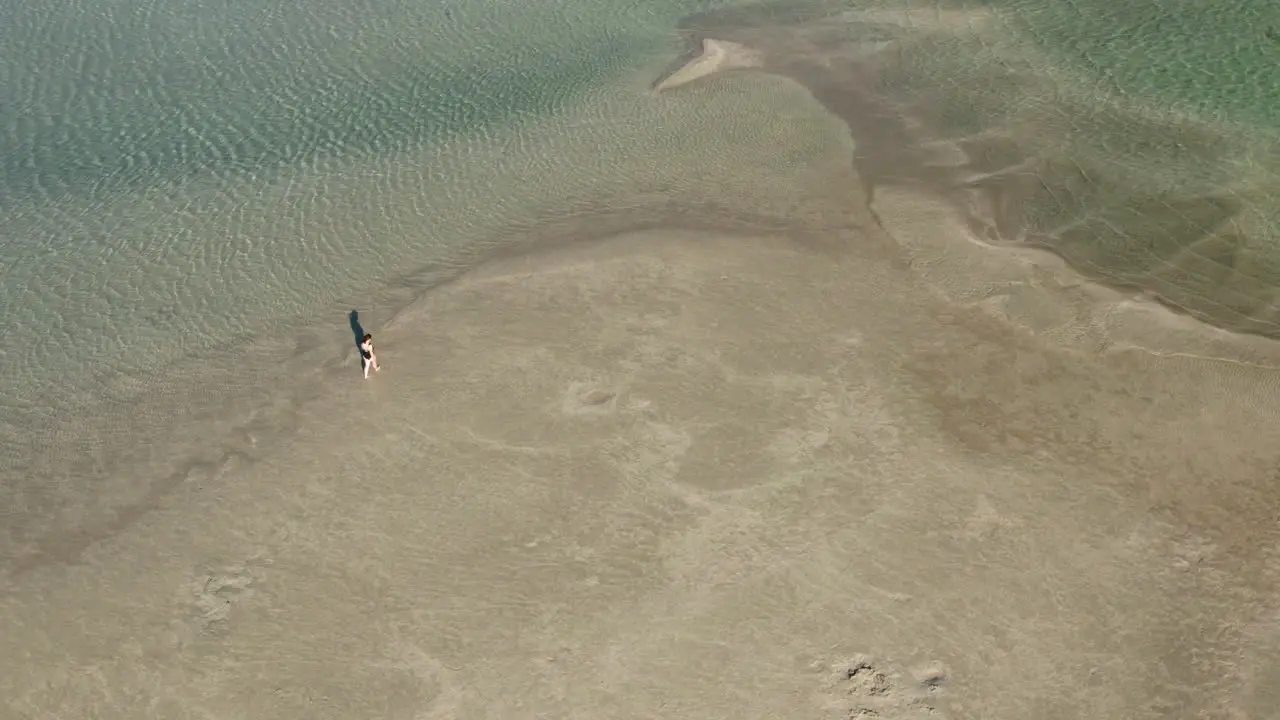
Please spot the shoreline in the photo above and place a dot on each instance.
(902, 150)
(873, 461)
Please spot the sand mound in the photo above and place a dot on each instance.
(716, 56)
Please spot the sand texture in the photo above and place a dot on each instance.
(678, 474)
(859, 462)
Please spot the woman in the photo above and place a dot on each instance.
(366, 352)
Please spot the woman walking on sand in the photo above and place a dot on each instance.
(367, 356)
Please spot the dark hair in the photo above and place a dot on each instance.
(367, 337)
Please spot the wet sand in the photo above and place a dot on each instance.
(864, 464)
(690, 474)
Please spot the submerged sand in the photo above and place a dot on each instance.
(687, 474)
(866, 464)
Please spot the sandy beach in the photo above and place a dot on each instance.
(852, 461)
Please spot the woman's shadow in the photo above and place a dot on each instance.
(356, 329)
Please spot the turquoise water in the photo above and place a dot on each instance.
(120, 95)
(202, 193)
(183, 182)
(139, 134)
(196, 193)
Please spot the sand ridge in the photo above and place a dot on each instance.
(715, 56)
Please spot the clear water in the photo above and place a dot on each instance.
(1212, 59)
(194, 194)
(1140, 140)
(178, 175)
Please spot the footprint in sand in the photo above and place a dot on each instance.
(861, 690)
(589, 399)
(216, 592)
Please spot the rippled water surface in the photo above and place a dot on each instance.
(1138, 140)
(184, 172)
(196, 193)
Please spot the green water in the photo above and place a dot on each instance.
(1152, 135)
(1217, 59)
(140, 93)
(1138, 141)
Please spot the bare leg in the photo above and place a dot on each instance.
(366, 363)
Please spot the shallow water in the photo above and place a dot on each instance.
(1140, 146)
(196, 195)
(184, 180)
(179, 271)
(203, 172)
(749, 437)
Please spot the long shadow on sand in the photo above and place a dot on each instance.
(356, 329)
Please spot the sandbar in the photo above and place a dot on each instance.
(687, 473)
(715, 56)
